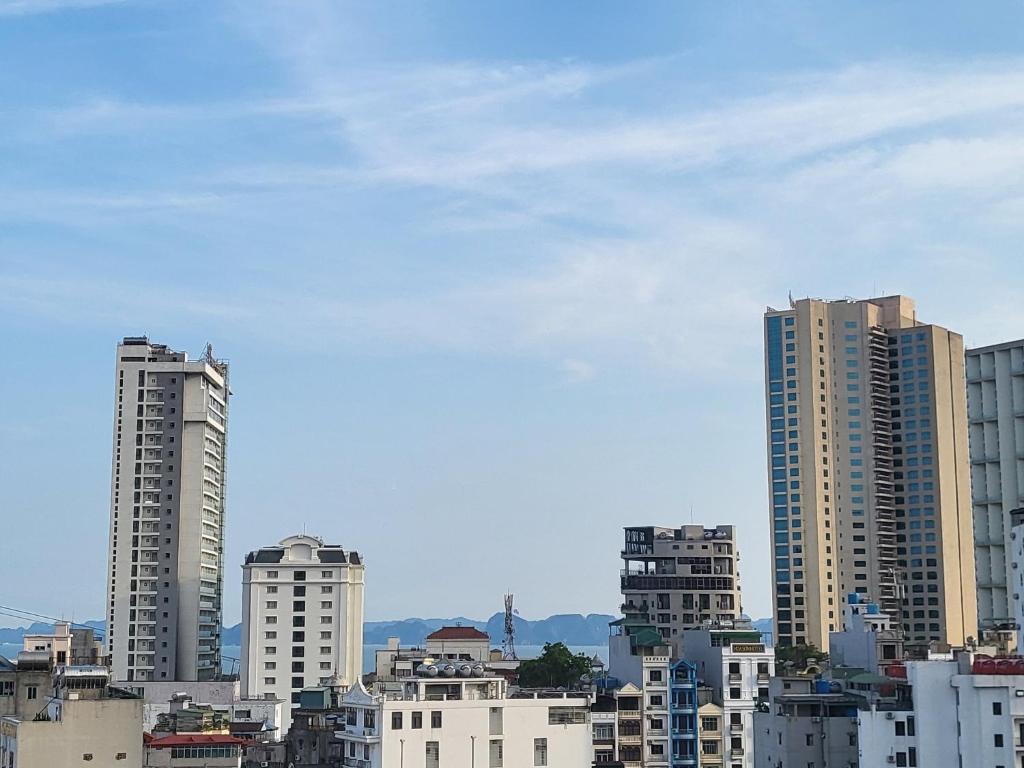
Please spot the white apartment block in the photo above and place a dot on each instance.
(869, 482)
(678, 578)
(464, 722)
(995, 408)
(1016, 584)
(165, 568)
(737, 666)
(302, 618)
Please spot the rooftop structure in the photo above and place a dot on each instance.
(678, 578)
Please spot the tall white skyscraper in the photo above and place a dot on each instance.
(869, 470)
(302, 618)
(995, 402)
(165, 571)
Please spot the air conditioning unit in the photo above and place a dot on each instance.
(890, 716)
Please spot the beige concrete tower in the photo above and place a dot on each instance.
(165, 572)
(868, 469)
(995, 401)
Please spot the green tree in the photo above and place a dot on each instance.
(556, 667)
(799, 656)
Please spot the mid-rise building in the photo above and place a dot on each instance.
(869, 476)
(166, 569)
(656, 697)
(78, 646)
(870, 639)
(995, 408)
(302, 618)
(733, 662)
(678, 578)
(457, 721)
(78, 719)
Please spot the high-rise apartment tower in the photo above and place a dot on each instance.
(995, 406)
(868, 469)
(165, 570)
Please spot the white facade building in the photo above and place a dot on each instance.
(165, 569)
(302, 618)
(871, 639)
(464, 722)
(736, 665)
(995, 403)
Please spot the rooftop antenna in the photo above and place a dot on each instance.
(508, 645)
(691, 514)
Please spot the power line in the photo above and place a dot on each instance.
(29, 615)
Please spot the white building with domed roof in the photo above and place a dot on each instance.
(302, 618)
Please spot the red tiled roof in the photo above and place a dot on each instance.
(185, 740)
(458, 633)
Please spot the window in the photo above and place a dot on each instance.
(433, 753)
(270, 665)
(325, 650)
(417, 719)
(540, 751)
(32, 692)
(997, 739)
(497, 754)
(326, 574)
(326, 590)
(396, 721)
(734, 693)
(325, 635)
(325, 619)
(997, 708)
(655, 676)
(435, 719)
(271, 604)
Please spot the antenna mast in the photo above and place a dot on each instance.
(508, 646)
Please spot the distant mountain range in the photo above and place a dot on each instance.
(569, 628)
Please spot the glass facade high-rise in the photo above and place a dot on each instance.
(166, 566)
(869, 481)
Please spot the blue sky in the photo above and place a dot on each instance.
(490, 275)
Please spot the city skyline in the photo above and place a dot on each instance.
(469, 279)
